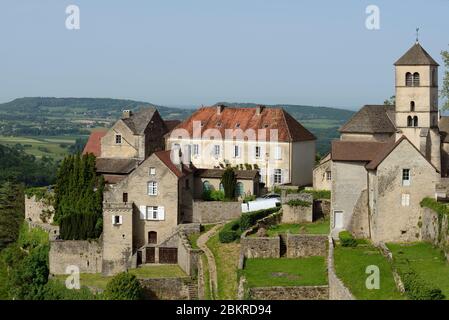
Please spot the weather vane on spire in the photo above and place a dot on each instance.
(417, 35)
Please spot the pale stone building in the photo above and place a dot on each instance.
(389, 157)
(268, 139)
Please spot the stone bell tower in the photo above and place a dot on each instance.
(417, 102)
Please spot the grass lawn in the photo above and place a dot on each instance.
(318, 227)
(207, 292)
(226, 258)
(351, 264)
(309, 271)
(428, 262)
(97, 280)
(193, 237)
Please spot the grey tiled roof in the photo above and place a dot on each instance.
(119, 166)
(415, 56)
(139, 120)
(371, 119)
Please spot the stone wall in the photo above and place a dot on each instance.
(86, 255)
(306, 245)
(290, 293)
(260, 247)
(431, 228)
(337, 289)
(187, 257)
(53, 231)
(215, 211)
(168, 288)
(38, 210)
(297, 214)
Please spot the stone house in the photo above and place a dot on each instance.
(389, 157)
(268, 139)
(322, 174)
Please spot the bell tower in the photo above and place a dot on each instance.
(417, 101)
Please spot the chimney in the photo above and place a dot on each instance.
(220, 108)
(126, 114)
(259, 109)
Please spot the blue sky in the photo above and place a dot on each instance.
(192, 52)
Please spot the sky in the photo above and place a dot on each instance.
(194, 52)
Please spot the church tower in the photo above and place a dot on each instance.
(416, 113)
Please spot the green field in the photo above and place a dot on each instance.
(42, 146)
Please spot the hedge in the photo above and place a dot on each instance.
(417, 289)
(346, 239)
(230, 232)
(298, 203)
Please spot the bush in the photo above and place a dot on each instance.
(347, 240)
(319, 194)
(298, 203)
(124, 286)
(229, 182)
(55, 290)
(230, 232)
(213, 195)
(417, 289)
(249, 198)
(248, 219)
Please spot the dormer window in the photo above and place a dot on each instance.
(266, 125)
(218, 124)
(237, 125)
(118, 138)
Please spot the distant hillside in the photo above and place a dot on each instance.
(41, 116)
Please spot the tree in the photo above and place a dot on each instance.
(391, 101)
(444, 93)
(11, 212)
(123, 286)
(229, 182)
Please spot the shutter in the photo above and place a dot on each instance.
(143, 212)
(161, 213)
(271, 178)
(285, 177)
(120, 219)
(277, 152)
(262, 175)
(113, 220)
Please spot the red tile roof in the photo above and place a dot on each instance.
(289, 130)
(93, 144)
(164, 156)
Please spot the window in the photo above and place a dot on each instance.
(258, 152)
(415, 121)
(152, 188)
(207, 186)
(416, 79)
(278, 153)
(328, 175)
(409, 121)
(405, 177)
(216, 151)
(408, 79)
(152, 171)
(196, 149)
(236, 151)
(125, 197)
(118, 138)
(405, 200)
(412, 106)
(116, 220)
(239, 190)
(152, 213)
(277, 176)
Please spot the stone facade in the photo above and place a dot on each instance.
(168, 288)
(435, 229)
(188, 258)
(297, 214)
(290, 293)
(38, 210)
(306, 245)
(260, 247)
(215, 211)
(322, 174)
(86, 255)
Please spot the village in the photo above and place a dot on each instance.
(231, 203)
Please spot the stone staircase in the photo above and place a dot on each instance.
(193, 291)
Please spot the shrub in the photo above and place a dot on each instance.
(319, 194)
(124, 286)
(248, 219)
(230, 232)
(229, 182)
(213, 195)
(298, 203)
(417, 289)
(249, 198)
(347, 240)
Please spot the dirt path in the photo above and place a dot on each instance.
(201, 242)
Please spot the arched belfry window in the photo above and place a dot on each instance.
(416, 79)
(408, 79)
(412, 106)
(409, 121)
(415, 121)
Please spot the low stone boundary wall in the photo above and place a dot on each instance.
(38, 210)
(337, 289)
(389, 255)
(290, 293)
(215, 211)
(187, 257)
(53, 231)
(168, 288)
(85, 254)
(306, 245)
(297, 214)
(260, 247)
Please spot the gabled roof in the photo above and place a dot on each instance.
(164, 156)
(116, 166)
(289, 130)
(363, 151)
(171, 124)
(371, 119)
(218, 173)
(416, 56)
(138, 121)
(93, 144)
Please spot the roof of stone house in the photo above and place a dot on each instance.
(117, 166)
(363, 151)
(289, 130)
(371, 119)
(138, 121)
(113, 179)
(164, 156)
(93, 144)
(416, 56)
(443, 125)
(171, 124)
(218, 173)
